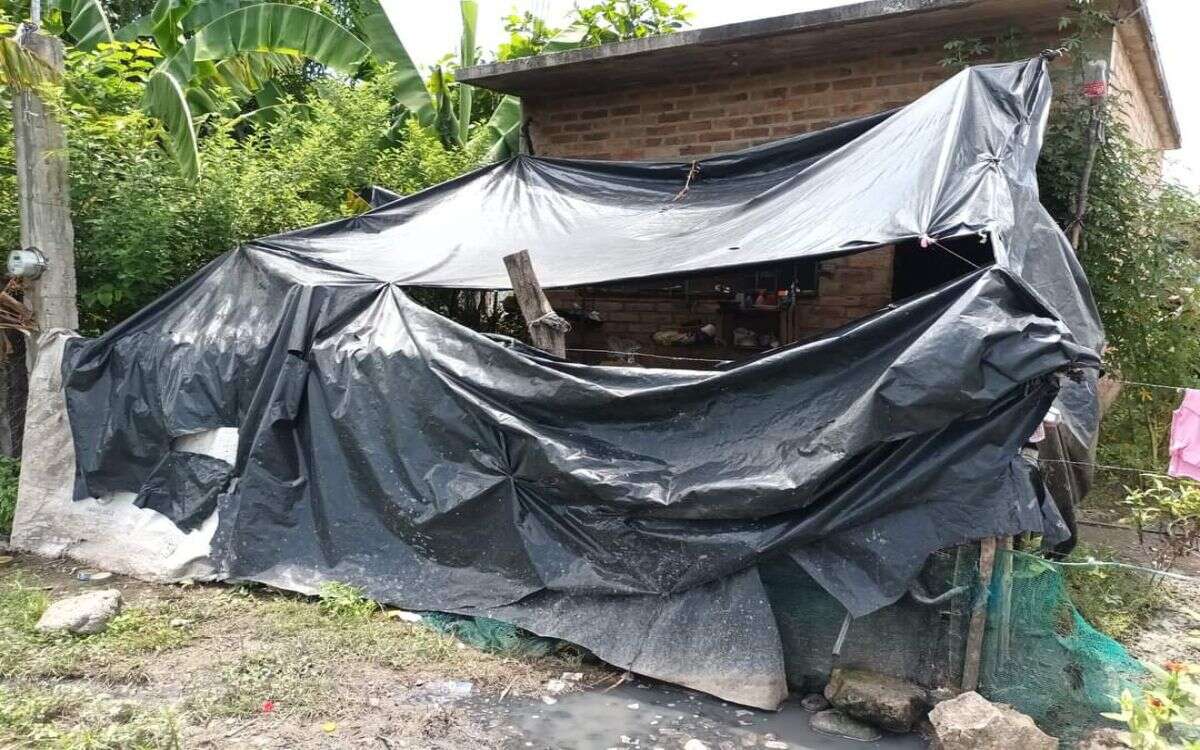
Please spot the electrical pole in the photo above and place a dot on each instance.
(45, 197)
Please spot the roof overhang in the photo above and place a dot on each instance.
(1137, 36)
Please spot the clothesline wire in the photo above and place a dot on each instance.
(1107, 467)
(1175, 388)
(652, 356)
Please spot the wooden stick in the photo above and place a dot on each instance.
(975, 630)
(1006, 592)
(547, 330)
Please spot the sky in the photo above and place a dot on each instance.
(435, 31)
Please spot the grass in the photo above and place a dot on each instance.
(197, 657)
(58, 718)
(117, 654)
(1116, 601)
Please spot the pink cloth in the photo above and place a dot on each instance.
(1185, 437)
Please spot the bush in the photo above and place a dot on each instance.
(10, 473)
(140, 228)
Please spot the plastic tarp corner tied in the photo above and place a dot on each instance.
(623, 509)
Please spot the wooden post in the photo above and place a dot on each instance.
(548, 331)
(1006, 592)
(45, 199)
(977, 626)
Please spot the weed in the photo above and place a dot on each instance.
(346, 602)
(1114, 600)
(299, 686)
(63, 719)
(115, 653)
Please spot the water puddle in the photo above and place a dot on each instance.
(647, 716)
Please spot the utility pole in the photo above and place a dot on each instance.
(45, 196)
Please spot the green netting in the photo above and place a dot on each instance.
(1041, 657)
(495, 636)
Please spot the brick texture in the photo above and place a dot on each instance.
(696, 118)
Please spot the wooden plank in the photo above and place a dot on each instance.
(547, 331)
(1006, 590)
(978, 624)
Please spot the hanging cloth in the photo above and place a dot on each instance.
(1185, 437)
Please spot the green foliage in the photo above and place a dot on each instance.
(590, 25)
(118, 652)
(1166, 715)
(1173, 508)
(617, 20)
(141, 227)
(10, 474)
(1115, 600)
(59, 718)
(528, 35)
(1140, 243)
(345, 602)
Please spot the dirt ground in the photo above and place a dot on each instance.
(223, 666)
(209, 666)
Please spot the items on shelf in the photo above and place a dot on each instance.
(705, 334)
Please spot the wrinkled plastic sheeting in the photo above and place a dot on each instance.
(110, 532)
(625, 509)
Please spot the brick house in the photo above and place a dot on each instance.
(697, 93)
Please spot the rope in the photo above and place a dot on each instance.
(552, 320)
(927, 240)
(687, 185)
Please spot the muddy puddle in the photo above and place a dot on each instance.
(648, 716)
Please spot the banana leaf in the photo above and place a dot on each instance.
(408, 85)
(86, 22)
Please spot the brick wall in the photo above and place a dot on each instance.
(681, 118)
(1135, 108)
(720, 113)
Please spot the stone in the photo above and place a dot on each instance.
(83, 614)
(838, 724)
(971, 722)
(1104, 739)
(814, 703)
(694, 745)
(887, 702)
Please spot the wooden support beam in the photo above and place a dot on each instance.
(547, 331)
(978, 623)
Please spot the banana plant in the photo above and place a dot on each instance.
(431, 104)
(240, 49)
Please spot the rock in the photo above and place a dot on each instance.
(971, 722)
(814, 703)
(179, 622)
(838, 724)
(5, 559)
(555, 686)
(776, 745)
(887, 702)
(84, 614)
(1104, 739)
(694, 745)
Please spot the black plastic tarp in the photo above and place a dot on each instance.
(624, 509)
